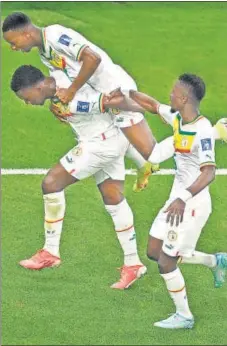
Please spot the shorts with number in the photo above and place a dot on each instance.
(181, 240)
(102, 159)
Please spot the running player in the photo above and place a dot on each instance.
(178, 225)
(65, 49)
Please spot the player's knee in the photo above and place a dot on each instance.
(49, 184)
(166, 264)
(153, 256)
(112, 197)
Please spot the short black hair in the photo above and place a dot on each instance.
(25, 76)
(14, 21)
(196, 83)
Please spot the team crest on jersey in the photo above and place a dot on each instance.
(172, 236)
(57, 61)
(61, 108)
(77, 151)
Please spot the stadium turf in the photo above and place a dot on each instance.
(73, 305)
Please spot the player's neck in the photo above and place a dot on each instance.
(189, 113)
(37, 36)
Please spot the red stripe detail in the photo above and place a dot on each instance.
(54, 221)
(125, 229)
(182, 150)
(72, 171)
(177, 290)
(103, 136)
(193, 212)
(132, 122)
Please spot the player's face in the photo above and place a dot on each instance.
(19, 40)
(33, 95)
(178, 96)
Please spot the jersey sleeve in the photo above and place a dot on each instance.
(67, 41)
(87, 102)
(206, 145)
(166, 113)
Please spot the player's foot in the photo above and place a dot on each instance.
(221, 127)
(219, 272)
(143, 175)
(129, 274)
(176, 321)
(42, 259)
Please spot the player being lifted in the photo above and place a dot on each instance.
(63, 48)
(100, 153)
(178, 225)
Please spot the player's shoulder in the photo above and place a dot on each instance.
(203, 124)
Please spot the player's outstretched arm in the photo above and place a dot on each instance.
(91, 61)
(118, 100)
(148, 103)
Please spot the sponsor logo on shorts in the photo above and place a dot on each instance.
(170, 247)
(172, 236)
(65, 39)
(120, 119)
(69, 159)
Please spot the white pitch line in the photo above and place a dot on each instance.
(43, 171)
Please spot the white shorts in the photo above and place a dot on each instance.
(119, 78)
(102, 158)
(181, 240)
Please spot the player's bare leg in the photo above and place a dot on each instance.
(175, 284)
(121, 214)
(140, 136)
(53, 185)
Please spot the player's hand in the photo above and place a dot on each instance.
(65, 95)
(114, 93)
(175, 212)
(57, 113)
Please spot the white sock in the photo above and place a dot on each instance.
(54, 205)
(200, 258)
(123, 221)
(176, 287)
(162, 151)
(135, 156)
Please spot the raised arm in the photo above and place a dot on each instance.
(90, 62)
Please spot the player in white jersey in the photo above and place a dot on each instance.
(65, 49)
(99, 153)
(177, 227)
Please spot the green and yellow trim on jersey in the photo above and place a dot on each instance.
(80, 52)
(183, 140)
(101, 105)
(208, 163)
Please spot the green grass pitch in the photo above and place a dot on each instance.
(73, 305)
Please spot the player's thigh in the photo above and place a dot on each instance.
(112, 191)
(182, 240)
(82, 161)
(154, 247)
(57, 179)
(140, 136)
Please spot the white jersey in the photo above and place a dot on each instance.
(84, 112)
(62, 48)
(194, 148)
